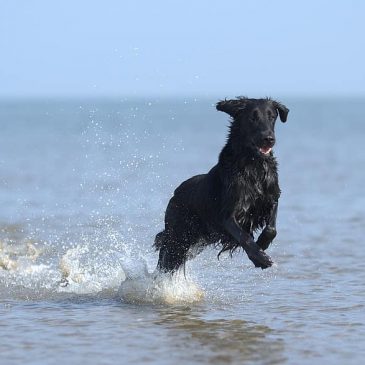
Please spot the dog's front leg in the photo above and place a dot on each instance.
(269, 232)
(254, 253)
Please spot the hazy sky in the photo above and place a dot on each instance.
(182, 47)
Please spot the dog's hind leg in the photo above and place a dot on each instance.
(182, 230)
(172, 255)
(173, 251)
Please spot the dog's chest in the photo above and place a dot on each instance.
(258, 180)
(256, 191)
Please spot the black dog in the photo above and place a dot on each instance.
(238, 196)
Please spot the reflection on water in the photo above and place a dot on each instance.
(220, 341)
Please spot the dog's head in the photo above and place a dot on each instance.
(253, 122)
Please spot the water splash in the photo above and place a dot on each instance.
(128, 271)
(143, 287)
(30, 272)
(98, 239)
(12, 256)
(84, 272)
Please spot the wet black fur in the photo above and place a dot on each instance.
(237, 197)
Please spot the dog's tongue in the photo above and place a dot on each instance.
(265, 150)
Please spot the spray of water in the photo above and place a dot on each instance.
(102, 244)
(82, 270)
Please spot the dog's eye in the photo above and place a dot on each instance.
(271, 117)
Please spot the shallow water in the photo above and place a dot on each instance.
(83, 188)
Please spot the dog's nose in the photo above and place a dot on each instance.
(270, 140)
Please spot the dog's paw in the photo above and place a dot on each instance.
(260, 259)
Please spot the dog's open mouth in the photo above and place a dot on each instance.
(265, 150)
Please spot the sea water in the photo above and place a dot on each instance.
(83, 189)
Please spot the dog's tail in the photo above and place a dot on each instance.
(159, 240)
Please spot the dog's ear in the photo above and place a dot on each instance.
(232, 107)
(283, 111)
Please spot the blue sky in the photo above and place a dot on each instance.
(182, 48)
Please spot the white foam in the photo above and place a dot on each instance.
(142, 287)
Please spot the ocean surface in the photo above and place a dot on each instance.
(83, 189)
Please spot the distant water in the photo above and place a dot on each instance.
(83, 188)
